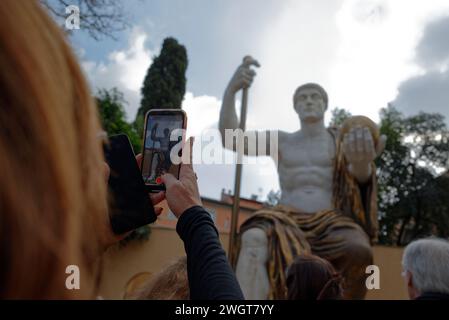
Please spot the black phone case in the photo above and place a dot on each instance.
(129, 204)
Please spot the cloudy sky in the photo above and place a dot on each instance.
(366, 53)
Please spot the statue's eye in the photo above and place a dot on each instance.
(316, 96)
(302, 97)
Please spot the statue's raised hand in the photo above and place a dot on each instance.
(359, 150)
(244, 75)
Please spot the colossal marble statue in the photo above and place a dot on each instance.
(328, 197)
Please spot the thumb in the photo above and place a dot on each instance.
(250, 61)
(169, 180)
(139, 160)
(158, 210)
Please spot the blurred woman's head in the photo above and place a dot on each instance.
(312, 278)
(52, 190)
(169, 284)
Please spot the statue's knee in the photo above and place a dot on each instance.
(254, 246)
(360, 253)
(254, 237)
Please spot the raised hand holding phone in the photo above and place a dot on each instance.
(182, 194)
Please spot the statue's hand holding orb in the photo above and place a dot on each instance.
(244, 75)
(362, 142)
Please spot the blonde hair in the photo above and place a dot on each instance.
(169, 284)
(52, 190)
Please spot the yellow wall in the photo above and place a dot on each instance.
(392, 285)
(164, 245)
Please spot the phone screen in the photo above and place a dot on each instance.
(129, 204)
(163, 132)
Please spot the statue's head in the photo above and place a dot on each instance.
(310, 102)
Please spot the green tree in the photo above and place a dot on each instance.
(113, 117)
(412, 192)
(164, 85)
(338, 116)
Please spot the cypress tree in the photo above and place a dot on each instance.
(165, 83)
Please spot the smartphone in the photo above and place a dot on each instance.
(164, 135)
(129, 204)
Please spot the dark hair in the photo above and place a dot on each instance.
(310, 277)
(315, 86)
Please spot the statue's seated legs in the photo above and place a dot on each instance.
(356, 255)
(351, 259)
(251, 265)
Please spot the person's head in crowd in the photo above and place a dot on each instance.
(169, 284)
(425, 264)
(52, 189)
(310, 277)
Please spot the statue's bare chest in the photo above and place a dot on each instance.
(298, 151)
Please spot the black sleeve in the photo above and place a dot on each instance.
(210, 275)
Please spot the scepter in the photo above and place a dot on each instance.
(247, 61)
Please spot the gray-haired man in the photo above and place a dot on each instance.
(426, 269)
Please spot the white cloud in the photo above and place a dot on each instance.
(202, 112)
(377, 49)
(124, 69)
(359, 50)
(296, 47)
(428, 92)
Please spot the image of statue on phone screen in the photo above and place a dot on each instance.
(163, 131)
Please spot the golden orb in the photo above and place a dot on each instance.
(361, 122)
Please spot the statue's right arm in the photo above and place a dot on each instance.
(252, 140)
(228, 116)
(242, 78)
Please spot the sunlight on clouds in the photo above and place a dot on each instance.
(378, 40)
(202, 112)
(294, 48)
(124, 69)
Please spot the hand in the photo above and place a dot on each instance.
(108, 237)
(359, 151)
(182, 194)
(243, 76)
(358, 146)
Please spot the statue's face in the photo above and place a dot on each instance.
(310, 105)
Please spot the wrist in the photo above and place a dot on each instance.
(230, 92)
(361, 171)
(187, 206)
